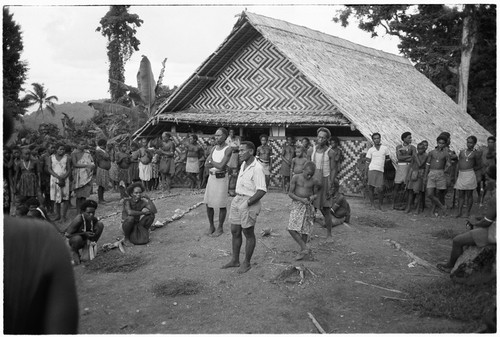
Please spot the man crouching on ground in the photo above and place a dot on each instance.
(84, 230)
(138, 215)
(250, 188)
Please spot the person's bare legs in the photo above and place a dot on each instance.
(380, 193)
(299, 239)
(461, 196)
(210, 214)
(328, 221)
(409, 205)
(249, 248)
(64, 210)
(469, 201)
(435, 201)
(459, 241)
(222, 218)
(371, 190)
(237, 240)
(57, 211)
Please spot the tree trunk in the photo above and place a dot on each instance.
(468, 41)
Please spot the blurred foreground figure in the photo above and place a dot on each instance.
(39, 285)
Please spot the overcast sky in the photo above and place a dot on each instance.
(68, 56)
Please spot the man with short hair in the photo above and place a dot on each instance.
(245, 207)
(438, 161)
(167, 162)
(323, 158)
(469, 160)
(263, 155)
(376, 157)
(84, 230)
(404, 154)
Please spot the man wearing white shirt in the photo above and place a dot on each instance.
(376, 158)
(245, 207)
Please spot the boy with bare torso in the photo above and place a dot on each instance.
(299, 160)
(303, 190)
(468, 161)
(264, 153)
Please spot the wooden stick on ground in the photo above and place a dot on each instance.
(372, 285)
(271, 249)
(394, 298)
(316, 324)
(417, 259)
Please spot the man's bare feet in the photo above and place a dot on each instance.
(231, 264)
(210, 231)
(302, 255)
(217, 233)
(244, 268)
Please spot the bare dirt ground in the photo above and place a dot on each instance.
(138, 292)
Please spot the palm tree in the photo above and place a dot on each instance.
(39, 97)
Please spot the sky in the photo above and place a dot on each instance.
(66, 53)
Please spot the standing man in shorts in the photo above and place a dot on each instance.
(245, 207)
(376, 157)
(438, 161)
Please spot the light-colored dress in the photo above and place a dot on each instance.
(216, 191)
(82, 176)
(58, 193)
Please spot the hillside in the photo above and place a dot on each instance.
(80, 111)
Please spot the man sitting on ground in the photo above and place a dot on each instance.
(138, 215)
(84, 230)
(484, 232)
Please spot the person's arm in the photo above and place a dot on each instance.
(402, 157)
(151, 206)
(74, 228)
(309, 154)
(51, 171)
(479, 161)
(490, 215)
(291, 191)
(222, 165)
(68, 169)
(129, 210)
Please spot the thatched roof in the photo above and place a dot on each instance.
(374, 90)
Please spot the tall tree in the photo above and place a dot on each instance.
(14, 69)
(445, 44)
(39, 96)
(119, 26)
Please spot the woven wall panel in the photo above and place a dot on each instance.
(260, 78)
(348, 176)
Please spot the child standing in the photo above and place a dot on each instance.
(27, 176)
(287, 154)
(299, 160)
(303, 190)
(341, 211)
(415, 184)
(59, 170)
(264, 154)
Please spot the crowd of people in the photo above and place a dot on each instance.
(39, 182)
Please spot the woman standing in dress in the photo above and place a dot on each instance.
(27, 176)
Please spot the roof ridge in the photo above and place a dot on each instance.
(327, 38)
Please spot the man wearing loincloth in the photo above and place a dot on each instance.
(304, 189)
(245, 207)
(469, 160)
(323, 158)
(218, 182)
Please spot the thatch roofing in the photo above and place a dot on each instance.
(374, 90)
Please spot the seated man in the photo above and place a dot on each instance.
(138, 215)
(341, 211)
(84, 231)
(484, 232)
(35, 210)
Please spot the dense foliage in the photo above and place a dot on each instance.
(431, 37)
(119, 26)
(14, 69)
